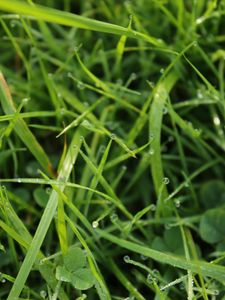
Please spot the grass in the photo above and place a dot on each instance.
(112, 143)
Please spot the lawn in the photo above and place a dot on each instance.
(112, 149)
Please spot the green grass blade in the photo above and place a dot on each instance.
(207, 269)
(22, 129)
(68, 19)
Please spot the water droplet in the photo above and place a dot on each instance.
(151, 151)
(153, 207)
(113, 136)
(18, 180)
(43, 294)
(86, 124)
(166, 180)
(48, 190)
(133, 76)
(155, 272)
(167, 226)
(126, 258)
(25, 100)
(177, 203)
(199, 94)
(150, 279)
(3, 188)
(195, 43)
(124, 168)
(62, 111)
(3, 280)
(165, 110)
(114, 218)
(161, 70)
(59, 95)
(95, 224)
(80, 85)
(151, 84)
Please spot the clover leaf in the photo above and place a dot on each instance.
(212, 225)
(75, 271)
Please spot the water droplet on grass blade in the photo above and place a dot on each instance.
(95, 224)
(80, 85)
(113, 136)
(166, 180)
(177, 203)
(126, 258)
(151, 151)
(43, 294)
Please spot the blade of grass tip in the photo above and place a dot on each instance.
(107, 186)
(22, 129)
(69, 19)
(101, 287)
(101, 87)
(46, 219)
(208, 269)
(155, 124)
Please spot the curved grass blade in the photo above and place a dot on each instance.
(214, 271)
(45, 220)
(68, 19)
(22, 129)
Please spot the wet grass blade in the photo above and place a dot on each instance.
(22, 129)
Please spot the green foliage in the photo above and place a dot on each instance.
(112, 148)
(74, 270)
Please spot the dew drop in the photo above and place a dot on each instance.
(18, 180)
(126, 258)
(25, 100)
(177, 203)
(113, 136)
(43, 294)
(133, 76)
(153, 207)
(195, 43)
(161, 70)
(150, 279)
(48, 190)
(151, 84)
(151, 151)
(3, 280)
(166, 180)
(86, 124)
(167, 226)
(165, 110)
(80, 85)
(95, 224)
